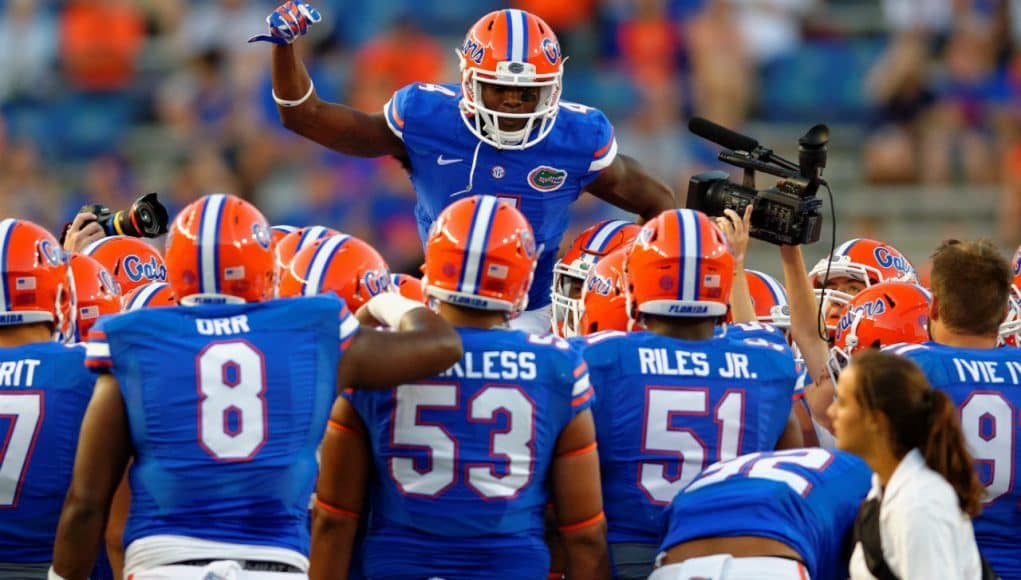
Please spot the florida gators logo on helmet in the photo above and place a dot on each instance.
(1010, 329)
(483, 256)
(213, 255)
(35, 279)
(342, 264)
(604, 298)
(131, 261)
(679, 265)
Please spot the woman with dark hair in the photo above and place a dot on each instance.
(924, 484)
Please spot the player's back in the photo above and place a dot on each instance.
(805, 498)
(463, 459)
(226, 406)
(667, 408)
(44, 390)
(985, 384)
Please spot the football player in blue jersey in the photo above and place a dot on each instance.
(467, 460)
(782, 515)
(971, 284)
(680, 396)
(503, 130)
(221, 403)
(44, 390)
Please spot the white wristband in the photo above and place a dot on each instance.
(287, 103)
(390, 307)
(51, 575)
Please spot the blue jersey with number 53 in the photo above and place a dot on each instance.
(449, 162)
(463, 459)
(804, 498)
(985, 384)
(44, 389)
(226, 405)
(666, 408)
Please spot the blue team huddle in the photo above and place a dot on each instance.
(268, 401)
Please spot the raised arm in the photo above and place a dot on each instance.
(626, 185)
(804, 331)
(104, 447)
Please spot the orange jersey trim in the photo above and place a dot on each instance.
(584, 523)
(580, 451)
(336, 510)
(341, 427)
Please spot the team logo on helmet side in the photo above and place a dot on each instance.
(528, 243)
(51, 253)
(869, 310)
(376, 282)
(552, 50)
(262, 235)
(598, 284)
(108, 281)
(1016, 262)
(137, 270)
(472, 50)
(886, 259)
(546, 178)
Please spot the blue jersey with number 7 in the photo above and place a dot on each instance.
(464, 458)
(804, 498)
(447, 162)
(226, 406)
(44, 389)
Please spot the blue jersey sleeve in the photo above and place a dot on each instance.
(409, 108)
(601, 139)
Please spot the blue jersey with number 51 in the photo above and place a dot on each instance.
(226, 406)
(449, 162)
(464, 457)
(44, 389)
(804, 498)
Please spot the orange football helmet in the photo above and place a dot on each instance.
(480, 253)
(278, 232)
(680, 265)
(132, 262)
(769, 298)
(292, 243)
(220, 250)
(604, 295)
(408, 286)
(570, 272)
(861, 259)
(880, 315)
(96, 291)
(512, 48)
(342, 264)
(1010, 330)
(35, 280)
(153, 295)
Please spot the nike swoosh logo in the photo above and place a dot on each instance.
(441, 161)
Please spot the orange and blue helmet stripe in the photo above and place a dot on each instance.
(6, 228)
(208, 245)
(320, 264)
(475, 246)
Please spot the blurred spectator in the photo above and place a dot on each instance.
(26, 189)
(654, 134)
(400, 56)
(29, 31)
(770, 29)
(898, 88)
(649, 44)
(100, 44)
(930, 16)
(722, 79)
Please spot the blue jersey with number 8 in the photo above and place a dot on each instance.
(226, 405)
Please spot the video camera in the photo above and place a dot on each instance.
(787, 214)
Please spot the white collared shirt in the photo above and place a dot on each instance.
(924, 533)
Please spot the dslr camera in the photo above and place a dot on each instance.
(787, 214)
(146, 218)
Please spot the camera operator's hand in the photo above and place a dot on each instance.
(289, 21)
(735, 229)
(84, 230)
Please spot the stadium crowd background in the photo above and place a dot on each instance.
(102, 100)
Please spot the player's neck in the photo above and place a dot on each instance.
(680, 328)
(942, 335)
(471, 317)
(22, 334)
